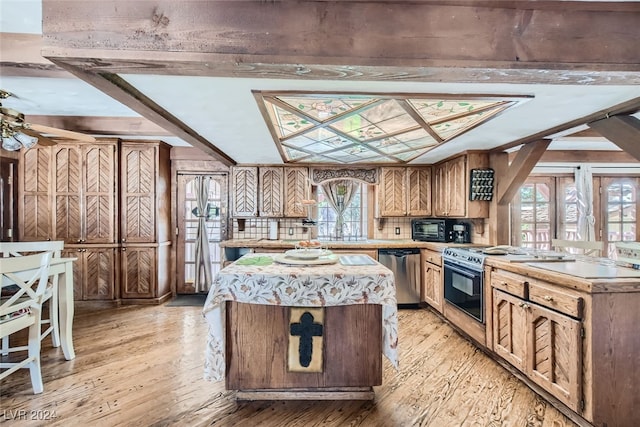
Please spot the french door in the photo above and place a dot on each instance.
(216, 222)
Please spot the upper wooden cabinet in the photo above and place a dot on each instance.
(244, 191)
(296, 189)
(419, 191)
(144, 197)
(68, 193)
(451, 187)
(270, 191)
(404, 191)
(84, 192)
(34, 209)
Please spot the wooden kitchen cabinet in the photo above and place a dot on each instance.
(296, 189)
(537, 329)
(432, 291)
(404, 192)
(451, 187)
(554, 354)
(84, 192)
(392, 192)
(94, 272)
(143, 195)
(145, 221)
(270, 192)
(144, 272)
(34, 209)
(80, 182)
(509, 326)
(419, 191)
(243, 189)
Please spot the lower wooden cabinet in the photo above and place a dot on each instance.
(554, 357)
(509, 326)
(432, 288)
(94, 273)
(144, 272)
(542, 343)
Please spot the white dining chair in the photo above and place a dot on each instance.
(50, 323)
(23, 309)
(591, 248)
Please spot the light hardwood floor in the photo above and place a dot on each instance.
(143, 366)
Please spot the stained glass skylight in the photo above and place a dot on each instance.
(368, 128)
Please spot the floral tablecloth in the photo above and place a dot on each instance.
(257, 279)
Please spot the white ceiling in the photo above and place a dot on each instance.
(224, 111)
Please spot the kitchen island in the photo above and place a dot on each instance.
(279, 331)
(570, 329)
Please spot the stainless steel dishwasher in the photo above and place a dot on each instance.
(405, 264)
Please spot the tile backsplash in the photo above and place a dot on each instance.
(292, 229)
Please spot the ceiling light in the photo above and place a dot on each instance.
(27, 141)
(9, 143)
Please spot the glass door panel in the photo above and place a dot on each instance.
(216, 222)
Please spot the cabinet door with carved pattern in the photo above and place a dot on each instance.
(457, 194)
(99, 194)
(554, 355)
(244, 191)
(271, 194)
(419, 191)
(138, 193)
(95, 274)
(392, 198)
(509, 328)
(296, 189)
(67, 193)
(34, 209)
(138, 268)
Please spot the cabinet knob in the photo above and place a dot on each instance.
(547, 298)
(79, 250)
(124, 249)
(123, 240)
(523, 305)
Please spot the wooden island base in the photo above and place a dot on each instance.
(257, 364)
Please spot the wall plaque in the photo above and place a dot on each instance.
(306, 343)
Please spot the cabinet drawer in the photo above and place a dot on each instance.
(432, 257)
(512, 283)
(556, 299)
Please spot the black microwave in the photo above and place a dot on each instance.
(432, 229)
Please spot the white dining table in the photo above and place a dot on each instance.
(63, 268)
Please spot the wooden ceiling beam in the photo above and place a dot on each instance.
(21, 56)
(624, 131)
(330, 43)
(520, 169)
(120, 90)
(116, 126)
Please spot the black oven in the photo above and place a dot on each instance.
(463, 286)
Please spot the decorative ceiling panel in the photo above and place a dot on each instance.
(363, 128)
